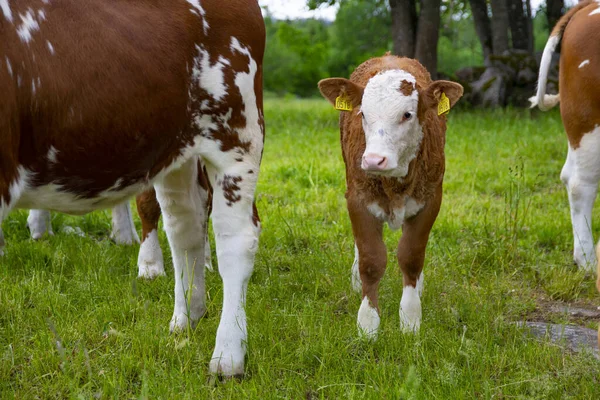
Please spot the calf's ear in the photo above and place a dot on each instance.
(432, 95)
(332, 88)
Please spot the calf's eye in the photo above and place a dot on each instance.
(406, 116)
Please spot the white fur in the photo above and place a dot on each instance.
(51, 156)
(38, 222)
(356, 281)
(368, 320)
(596, 11)
(50, 47)
(410, 310)
(182, 214)
(6, 10)
(198, 10)
(581, 174)
(420, 284)
(150, 258)
(123, 229)
(383, 107)
(584, 63)
(210, 77)
(1, 242)
(543, 101)
(9, 66)
(28, 26)
(399, 215)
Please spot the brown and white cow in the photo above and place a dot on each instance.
(103, 100)
(579, 82)
(393, 147)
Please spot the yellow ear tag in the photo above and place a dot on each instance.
(443, 105)
(342, 103)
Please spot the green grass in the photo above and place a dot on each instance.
(501, 244)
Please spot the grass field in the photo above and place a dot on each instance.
(76, 323)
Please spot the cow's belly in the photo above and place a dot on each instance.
(51, 197)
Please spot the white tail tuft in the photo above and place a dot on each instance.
(543, 101)
(548, 101)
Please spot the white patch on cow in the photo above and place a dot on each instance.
(209, 77)
(41, 15)
(584, 63)
(19, 81)
(356, 281)
(596, 11)
(54, 197)
(581, 174)
(28, 25)
(368, 320)
(199, 11)
(9, 67)
(378, 212)
(38, 222)
(386, 133)
(410, 310)
(33, 89)
(51, 155)
(245, 83)
(412, 207)
(123, 229)
(50, 47)
(6, 10)
(150, 258)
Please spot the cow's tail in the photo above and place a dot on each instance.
(541, 99)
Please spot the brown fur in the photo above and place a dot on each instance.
(423, 183)
(579, 94)
(140, 49)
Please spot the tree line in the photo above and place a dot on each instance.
(444, 35)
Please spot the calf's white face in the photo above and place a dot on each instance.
(393, 133)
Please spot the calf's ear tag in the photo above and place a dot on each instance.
(342, 103)
(443, 105)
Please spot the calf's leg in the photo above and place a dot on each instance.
(372, 260)
(179, 199)
(38, 222)
(411, 256)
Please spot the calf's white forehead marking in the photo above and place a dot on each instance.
(6, 10)
(583, 64)
(382, 95)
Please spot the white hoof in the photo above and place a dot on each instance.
(368, 320)
(150, 258)
(586, 262)
(227, 361)
(410, 310)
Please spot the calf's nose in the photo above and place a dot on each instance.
(374, 162)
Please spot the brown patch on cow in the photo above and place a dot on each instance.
(230, 187)
(149, 212)
(579, 92)
(406, 88)
(255, 216)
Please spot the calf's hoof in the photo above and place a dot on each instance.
(368, 320)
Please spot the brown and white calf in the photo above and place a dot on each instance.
(393, 147)
(103, 100)
(579, 83)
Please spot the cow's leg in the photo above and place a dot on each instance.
(179, 200)
(205, 198)
(38, 222)
(236, 226)
(150, 257)
(580, 174)
(1, 242)
(372, 260)
(123, 228)
(411, 256)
